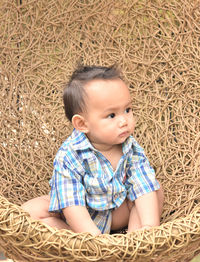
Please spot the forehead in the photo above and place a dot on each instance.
(107, 93)
(106, 87)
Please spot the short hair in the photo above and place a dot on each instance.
(74, 95)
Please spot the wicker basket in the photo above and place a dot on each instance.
(156, 43)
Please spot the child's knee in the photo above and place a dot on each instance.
(160, 194)
(26, 206)
(37, 207)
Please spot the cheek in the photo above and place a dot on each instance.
(132, 124)
(133, 127)
(108, 129)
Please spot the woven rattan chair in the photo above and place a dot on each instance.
(156, 43)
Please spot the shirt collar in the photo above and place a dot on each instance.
(130, 144)
(81, 142)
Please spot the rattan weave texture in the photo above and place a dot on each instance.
(157, 45)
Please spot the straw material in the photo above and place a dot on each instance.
(156, 44)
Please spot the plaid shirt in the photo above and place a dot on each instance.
(84, 177)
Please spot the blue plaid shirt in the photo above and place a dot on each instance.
(84, 177)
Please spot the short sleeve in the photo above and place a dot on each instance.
(140, 176)
(66, 187)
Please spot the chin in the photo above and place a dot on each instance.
(122, 140)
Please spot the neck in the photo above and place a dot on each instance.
(111, 153)
(105, 148)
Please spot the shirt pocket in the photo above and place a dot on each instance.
(96, 185)
(98, 193)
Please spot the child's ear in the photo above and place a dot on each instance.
(79, 123)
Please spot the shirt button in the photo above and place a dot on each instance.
(116, 196)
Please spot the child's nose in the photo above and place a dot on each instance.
(123, 121)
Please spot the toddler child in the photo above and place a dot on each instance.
(102, 180)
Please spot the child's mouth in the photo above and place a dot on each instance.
(124, 134)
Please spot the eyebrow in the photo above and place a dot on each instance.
(115, 108)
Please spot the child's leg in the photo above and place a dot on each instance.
(38, 209)
(120, 216)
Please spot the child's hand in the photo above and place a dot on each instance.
(145, 227)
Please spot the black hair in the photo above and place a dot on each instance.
(74, 92)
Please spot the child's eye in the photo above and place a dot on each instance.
(112, 115)
(128, 110)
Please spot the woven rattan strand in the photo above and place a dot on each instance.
(156, 44)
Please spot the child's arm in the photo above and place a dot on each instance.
(79, 220)
(147, 208)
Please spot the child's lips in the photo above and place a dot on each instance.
(123, 134)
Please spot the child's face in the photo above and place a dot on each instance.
(108, 115)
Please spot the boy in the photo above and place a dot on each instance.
(102, 179)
